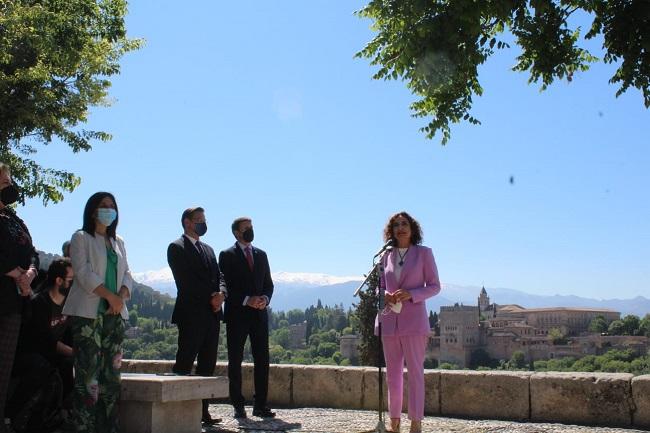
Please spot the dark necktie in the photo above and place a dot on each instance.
(249, 258)
(204, 257)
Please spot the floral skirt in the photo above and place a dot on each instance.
(97, 361)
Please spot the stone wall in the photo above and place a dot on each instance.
(609, 399)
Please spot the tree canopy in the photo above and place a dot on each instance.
(56, 58)
(437, 46)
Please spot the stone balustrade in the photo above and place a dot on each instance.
(608, 399)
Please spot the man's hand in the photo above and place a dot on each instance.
(216, 301)
(257, 302)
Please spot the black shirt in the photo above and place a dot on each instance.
(16, 249)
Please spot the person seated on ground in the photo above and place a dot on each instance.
(48, 328)
(35, 396)
(42, 373)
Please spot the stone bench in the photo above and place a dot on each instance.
(151, 403)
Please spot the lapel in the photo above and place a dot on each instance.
(409, 263)
(389, 270)
(193, 252)
(242, 257)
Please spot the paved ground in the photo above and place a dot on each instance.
(349, 421)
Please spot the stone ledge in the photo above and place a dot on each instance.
(485, 394)
(641, 397)
(576, 398)
(163, 389)
(582, 398)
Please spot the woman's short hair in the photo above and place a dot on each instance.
(89, 214)
(416, 231)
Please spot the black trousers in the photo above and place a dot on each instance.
(9, 330)
(197, 341)
(253, 324)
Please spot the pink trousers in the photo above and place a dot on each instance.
(397, 350)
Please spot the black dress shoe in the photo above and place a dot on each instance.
(263, 412)
(208, 420)
(240, 412)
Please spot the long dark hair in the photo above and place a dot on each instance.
(416, 230)
(89, 214)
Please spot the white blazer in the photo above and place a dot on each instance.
(88, 254)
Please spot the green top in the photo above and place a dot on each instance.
(110, 282)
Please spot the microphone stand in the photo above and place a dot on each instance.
(379, 266)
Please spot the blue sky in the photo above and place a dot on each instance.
(260, 109)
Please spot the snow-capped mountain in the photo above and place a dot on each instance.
(300, 290)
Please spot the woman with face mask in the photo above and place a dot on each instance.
(18, 268)
(102, 282)
(409, 277)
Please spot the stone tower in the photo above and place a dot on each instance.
(483, 301)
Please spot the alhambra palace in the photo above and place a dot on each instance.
(501, 330)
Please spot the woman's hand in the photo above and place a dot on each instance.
(16, 272)
(389, 298)
(115, 304)
(23, 279)
(401, 295)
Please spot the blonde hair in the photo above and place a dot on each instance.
(4, 167)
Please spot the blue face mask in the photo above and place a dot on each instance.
(106, 216)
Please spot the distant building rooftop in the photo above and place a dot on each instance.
(514, 308)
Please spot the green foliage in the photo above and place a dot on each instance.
(430, 363)
(56, 58)
(644, 326)
(295, 316)
(517, 360)
(598, 325)
(631, 325)
(480, 358)
(617, 327)
(366, 311)
(448, 366)
(326, 350)
(438, 46)
(556, 336)
(149, 303)
(433, 320)
(280, 337)
(619, 361)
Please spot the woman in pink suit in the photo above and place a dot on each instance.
(410, 277)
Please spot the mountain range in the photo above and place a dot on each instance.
(300, 290)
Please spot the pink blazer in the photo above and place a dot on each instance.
(420, 277)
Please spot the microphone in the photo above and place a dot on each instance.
(387, 247)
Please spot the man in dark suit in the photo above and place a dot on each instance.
(250, 287)
(201, 292)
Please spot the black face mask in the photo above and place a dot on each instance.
(65, 288)
(9, 195)
(200, 228)
(248, 235)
